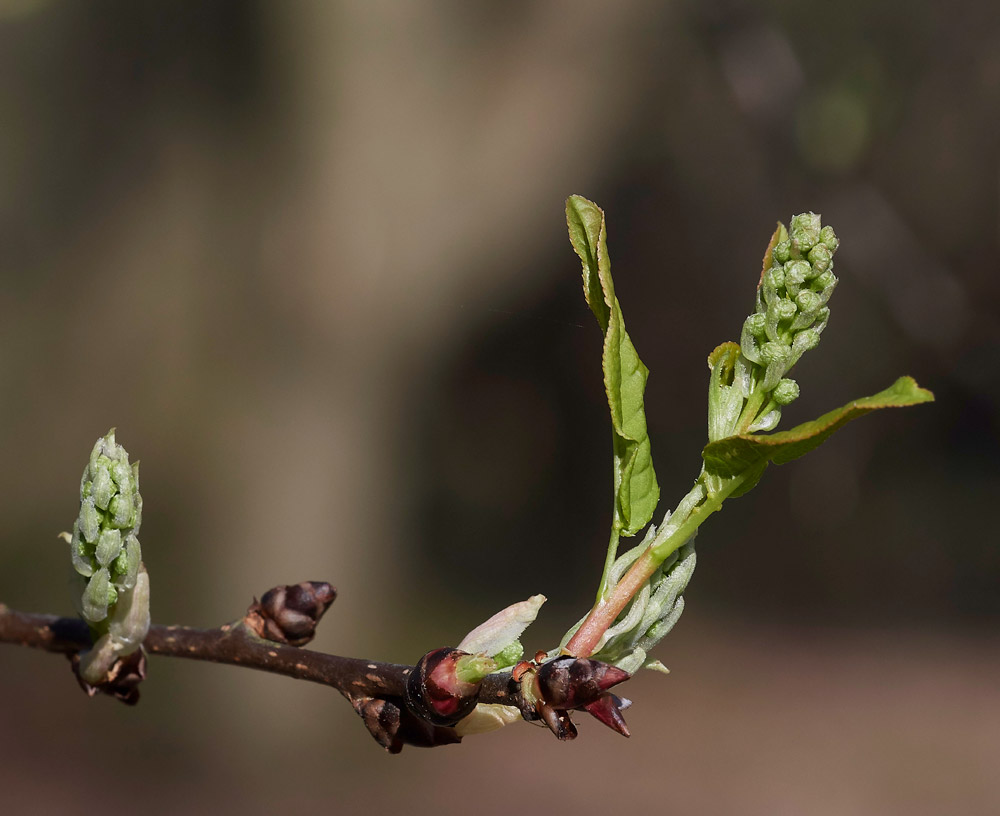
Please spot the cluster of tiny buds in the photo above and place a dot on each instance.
(104, 545)
(791, 310)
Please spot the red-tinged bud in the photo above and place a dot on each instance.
(289, 614)
(393, 726)
(574, 682)
(434, 690)
(608, 709)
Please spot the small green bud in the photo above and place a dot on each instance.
(825, 284)
(820, 257)
(82, 562)
(753, 334)
(785, 392)
(89, 521)
(829, 238)
(797, 273)
(108, 547)
(122, 510)
(126, 566)
(755, 324)
(782, 251)
(784, 310)
(121, 473)
(774, 353)
(774, 278)
(804, 231)
(96, 597)
(103, 487)
(808, 301)
(804, 341)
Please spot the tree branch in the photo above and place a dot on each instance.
(399, 704)
(235, 645)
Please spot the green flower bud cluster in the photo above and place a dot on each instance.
(105, 547)
(791, 310)
(105, 552)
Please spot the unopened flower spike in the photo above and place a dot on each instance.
(105, 552)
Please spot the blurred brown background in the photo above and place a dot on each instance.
(310, 259)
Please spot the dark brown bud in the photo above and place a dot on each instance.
(393, 726)
(558, 721)
(123, 678)
(289, 614)
(575, 682)
(434, 691)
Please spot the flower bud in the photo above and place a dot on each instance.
(774, 353)
(820, 256)
(804, 341)
(825, 284)
(804, 230)
(754, 332)
(97, 596)
(104, 549)
(783, 310)
(829, 238)
(772, 284)
(290, 614)
(797, 273)
(109, 545)
(782, 251)
(89, 521)
(785, 392)
(435, 691)
(808, 301)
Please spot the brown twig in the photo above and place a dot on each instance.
(389, 697)
(235, 645)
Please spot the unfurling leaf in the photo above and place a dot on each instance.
(498, 636)
(636, 490)
(737, 454)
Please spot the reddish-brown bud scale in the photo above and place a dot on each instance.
(289, 614)
(518, 671)
(434, 691)
(608, 709)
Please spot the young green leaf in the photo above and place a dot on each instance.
(636, 490)
(735, 454)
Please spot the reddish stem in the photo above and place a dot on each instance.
(602, 616)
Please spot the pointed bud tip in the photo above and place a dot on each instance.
(607, 709)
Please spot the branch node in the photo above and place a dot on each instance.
(122, 680)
